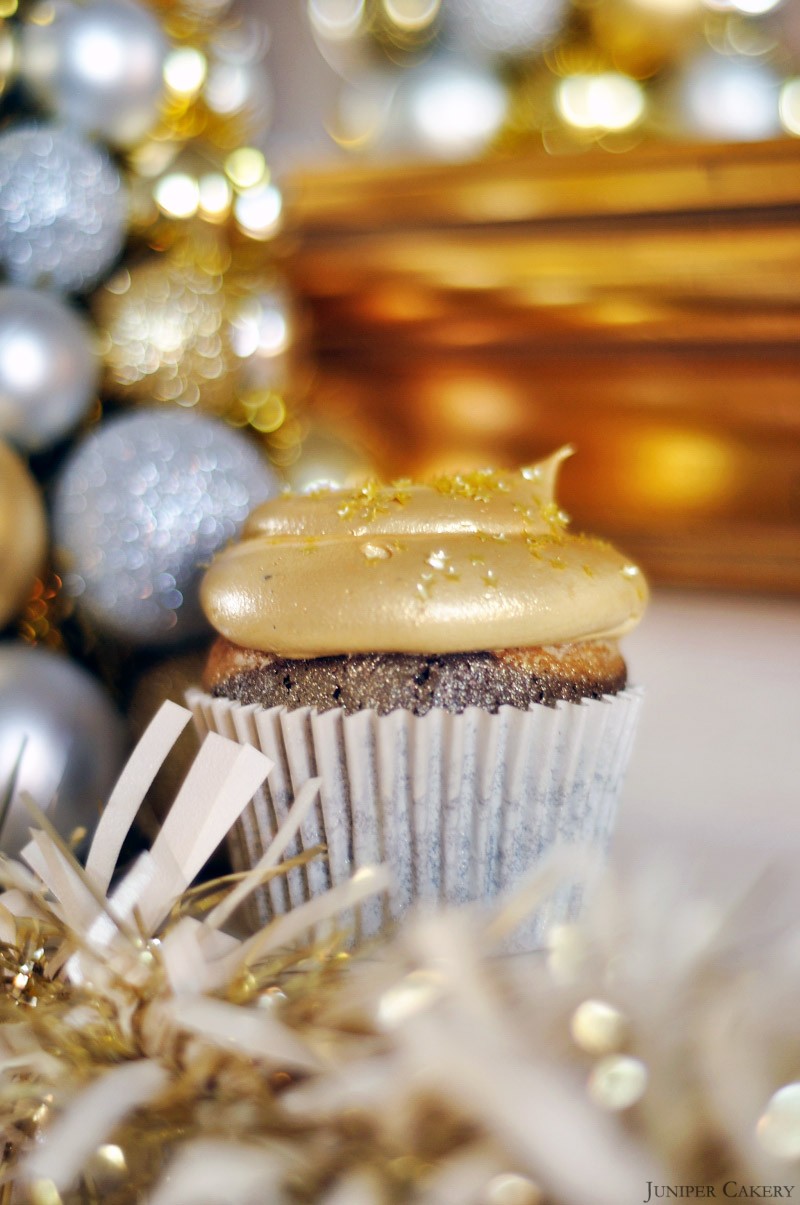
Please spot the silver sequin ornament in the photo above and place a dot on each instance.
(62, 208)
(71, 739)
(98, 66)
(48, 367)
(140, 508)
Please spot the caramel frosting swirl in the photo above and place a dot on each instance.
(480, 560)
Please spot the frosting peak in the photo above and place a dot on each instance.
(479, 560)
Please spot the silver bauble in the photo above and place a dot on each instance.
(139, 509)
(71, 737)
(48, 367)
(97, 66)
(62, 208)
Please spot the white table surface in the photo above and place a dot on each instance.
(714, 781)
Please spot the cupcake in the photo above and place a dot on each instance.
(445, 657)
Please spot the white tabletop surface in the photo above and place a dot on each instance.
(715, 773)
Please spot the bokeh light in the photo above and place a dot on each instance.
(789, 106)
(185, 70)
(455, 110)
(246, 167)
(730, 98)
(412, 15)
(609, 101)
(177, 195)
(336, 20)
(215, 196)
(258, 211)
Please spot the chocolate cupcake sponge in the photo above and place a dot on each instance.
(386, 682)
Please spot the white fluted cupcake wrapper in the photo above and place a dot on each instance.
(461, 807)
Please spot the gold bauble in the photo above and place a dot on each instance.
(178, 330)
(162, 327)
(23, 533)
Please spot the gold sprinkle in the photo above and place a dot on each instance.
(376, 552)
(587, 569)
(401, 491)
(490, 578)
(478, 486)
(557, 562)
(536, 545)
(372, 499)
(553, 515)
(438, 559)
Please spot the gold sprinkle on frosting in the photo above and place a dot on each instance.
(376, 552)
(478, 560)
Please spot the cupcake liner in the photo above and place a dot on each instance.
(461, 807)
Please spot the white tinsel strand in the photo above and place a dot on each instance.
(657, 1036)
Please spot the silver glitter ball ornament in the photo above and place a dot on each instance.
(140, 507)
(98, 66)
(71, 739)
(62, 208)
(48, 367)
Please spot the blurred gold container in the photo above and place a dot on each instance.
(643, 307)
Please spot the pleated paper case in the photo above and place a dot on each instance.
(460, 806)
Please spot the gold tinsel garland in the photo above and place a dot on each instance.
(149, 1054)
